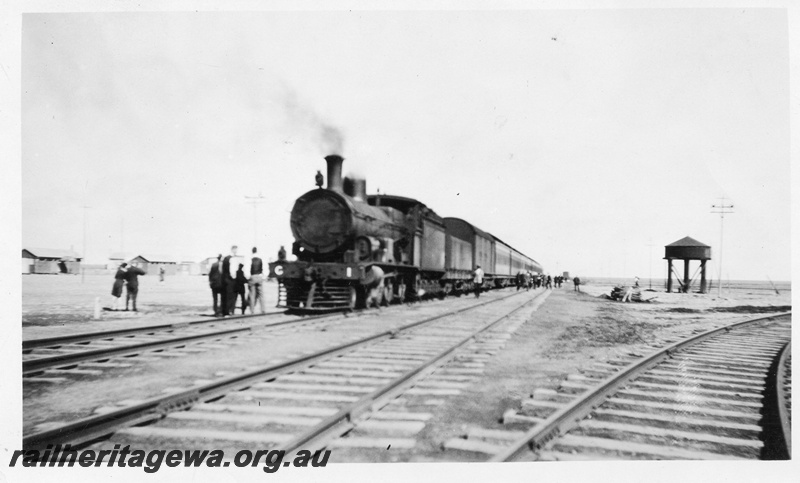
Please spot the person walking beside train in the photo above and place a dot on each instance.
(215, 282)
(520, 279)
(477, 280)
(256, 282)
(132, 277)
(549, 283)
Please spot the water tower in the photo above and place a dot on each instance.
(686, 249)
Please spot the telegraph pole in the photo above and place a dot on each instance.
(650, 277)
(722, 209)
(83, 262)
(255, 200)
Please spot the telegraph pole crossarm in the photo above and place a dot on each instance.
(255, 201)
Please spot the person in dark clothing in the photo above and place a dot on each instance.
(229, 282)
(132, 277)
(215, 282)
(577, 282)
(119, 281)
(241, 289)
(256, 282)
(549, 282)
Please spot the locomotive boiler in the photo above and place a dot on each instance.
(355, 249)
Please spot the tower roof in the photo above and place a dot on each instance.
(688, 241)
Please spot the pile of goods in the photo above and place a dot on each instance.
(619, 293)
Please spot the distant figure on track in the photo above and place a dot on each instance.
(256, 282)
(116, 289)
(215, 282)
(132, 277)
(161, 273)
(577, 282)
(477, 279)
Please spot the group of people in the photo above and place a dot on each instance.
(129, 277)
(531, 280)
(234, 277)
(525, 279)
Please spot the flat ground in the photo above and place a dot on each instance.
(62, 304)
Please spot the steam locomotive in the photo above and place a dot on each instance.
(355, 250)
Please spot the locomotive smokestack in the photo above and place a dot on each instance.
(360, 189)
(334, 172)
(356, 188)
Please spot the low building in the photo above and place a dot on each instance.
(153, 263)
(189, 268)
(50, 260)
(116, 259)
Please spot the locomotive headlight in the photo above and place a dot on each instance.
(279, 270)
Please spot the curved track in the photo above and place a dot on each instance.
(705, 397)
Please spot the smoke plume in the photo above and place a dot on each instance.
(307, 121)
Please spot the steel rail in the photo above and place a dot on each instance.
(97, 426)
(345, 420)
(783, 413)
(39, 364)
(30, 344)
(570, 415)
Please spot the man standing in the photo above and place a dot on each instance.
(215, 282)
(477, 279)
(230, 265)
(132, 277)
(256, 282)
(229, 282)
(577, 282)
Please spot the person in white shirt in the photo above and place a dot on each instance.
(477, 280)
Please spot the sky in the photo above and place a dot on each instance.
(586, 139)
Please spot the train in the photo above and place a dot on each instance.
(354, 250)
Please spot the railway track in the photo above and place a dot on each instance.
(53, 359)
(313, 400)
(721, 394)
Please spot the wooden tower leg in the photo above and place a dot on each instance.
(669, 275)
(703, 276)
(686, 276)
